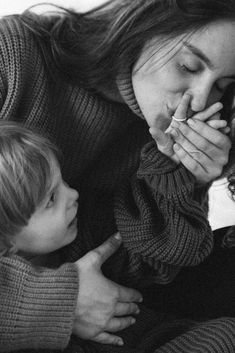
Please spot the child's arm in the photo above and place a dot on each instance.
(159, 218)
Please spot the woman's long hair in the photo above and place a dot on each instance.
(92, 47)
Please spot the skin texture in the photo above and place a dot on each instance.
(189, 66)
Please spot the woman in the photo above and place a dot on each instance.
(70, 75)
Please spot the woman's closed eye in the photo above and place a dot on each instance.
(190, 68)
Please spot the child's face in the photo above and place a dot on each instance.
(53, 224)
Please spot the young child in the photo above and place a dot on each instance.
(37, 208)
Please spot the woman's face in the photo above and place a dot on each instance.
(202, 64)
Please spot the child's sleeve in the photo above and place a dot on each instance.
(36, 305)
(161, 221)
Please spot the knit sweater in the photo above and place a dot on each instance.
(101, 141)
(162, 225)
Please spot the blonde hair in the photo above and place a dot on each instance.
(26, 174)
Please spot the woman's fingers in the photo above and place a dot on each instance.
(118, 324)
(126, 309)
(107, 338)
(114, 325)
(127, 295)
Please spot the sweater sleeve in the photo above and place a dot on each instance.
(36, 305)
(161, 222)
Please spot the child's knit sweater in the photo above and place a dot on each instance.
(162, 225)
(102, 141)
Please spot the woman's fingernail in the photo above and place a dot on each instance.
(174, 132)
(133, 321)
(191, 122)
(174, 123)
(176, 147)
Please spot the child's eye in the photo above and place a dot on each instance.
(51, 200)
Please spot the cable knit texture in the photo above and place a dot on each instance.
(102, 141)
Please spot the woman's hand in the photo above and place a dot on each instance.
(103, 307)
(198, 143)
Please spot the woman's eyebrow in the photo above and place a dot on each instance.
(196, 51)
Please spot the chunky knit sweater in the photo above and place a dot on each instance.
(162, 225)
(101, 141)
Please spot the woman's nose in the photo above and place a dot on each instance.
(199, 100)
(201, 94)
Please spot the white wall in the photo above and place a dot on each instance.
(8, 7)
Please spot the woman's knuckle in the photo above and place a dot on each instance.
(224, 142)
(195, 169)
(203, 146)
(223, 161)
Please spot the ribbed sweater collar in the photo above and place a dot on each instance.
(125, 87)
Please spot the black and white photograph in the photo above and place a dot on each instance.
(117, 176)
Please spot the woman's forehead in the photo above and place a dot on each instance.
(213, 44)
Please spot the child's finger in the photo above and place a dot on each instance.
(225, 130)
(209, 113)
(181, 111)
(217, 124)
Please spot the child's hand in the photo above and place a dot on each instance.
(198, 143)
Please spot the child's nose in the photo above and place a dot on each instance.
(74, 194)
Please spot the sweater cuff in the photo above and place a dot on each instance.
(163, 174)
(155, 162)
(39, 309)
